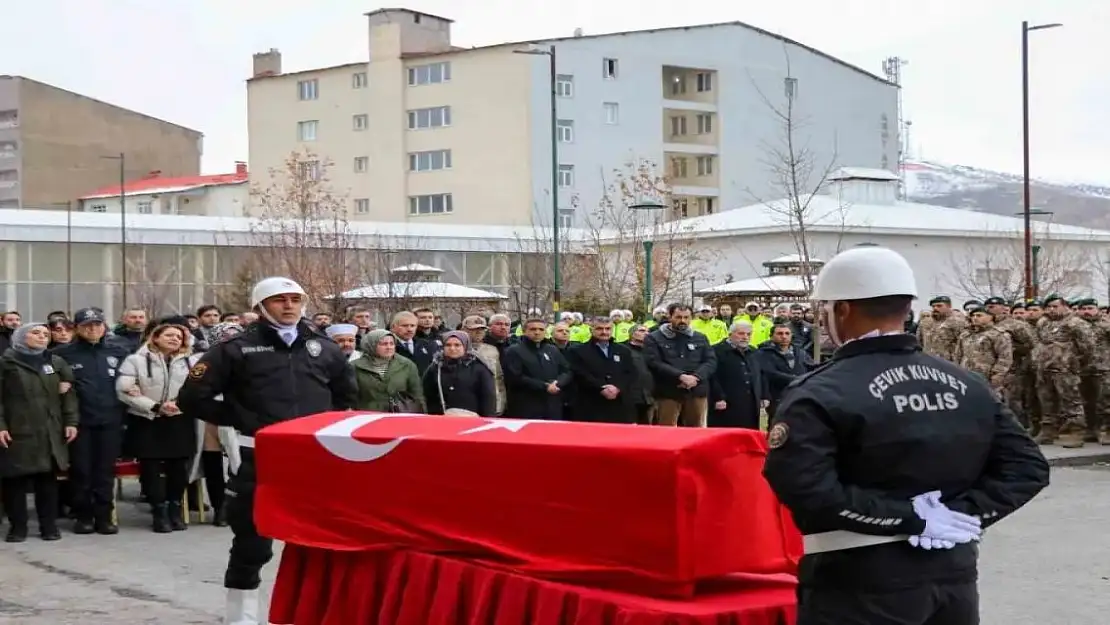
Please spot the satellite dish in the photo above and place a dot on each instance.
(577, 32)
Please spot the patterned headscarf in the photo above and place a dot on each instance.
(224, 331)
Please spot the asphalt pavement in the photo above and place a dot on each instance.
(1048, 564)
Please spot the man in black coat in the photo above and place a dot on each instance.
(782, 361)
(11, 322)
(738, 388)
(605, 377)
(419, 350)
(681, 362)
(536, 375)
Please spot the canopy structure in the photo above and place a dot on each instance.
(419, 286)
(788, 279)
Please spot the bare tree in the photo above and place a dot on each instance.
(300, 230)
(154, 290)
(530, 268)
(612, 266)
(993, 266)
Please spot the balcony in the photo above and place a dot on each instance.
(690, 88)
(692, 170)
(689, 128)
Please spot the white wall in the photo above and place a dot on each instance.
(229, 200)
(842, 108)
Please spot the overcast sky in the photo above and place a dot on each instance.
(186, 60)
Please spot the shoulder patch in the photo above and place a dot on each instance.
(198, 370)
(778, 435)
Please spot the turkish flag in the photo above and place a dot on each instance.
(641, 508)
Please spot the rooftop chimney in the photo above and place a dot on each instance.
(267, 63)
(240, 168)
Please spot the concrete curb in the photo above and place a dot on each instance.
(1081, 460)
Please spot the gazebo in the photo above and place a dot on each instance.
(785, 282)
(418, 286)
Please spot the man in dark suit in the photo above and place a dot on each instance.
(780, 362)
(738, 389)
(418, 350)
(605, 377)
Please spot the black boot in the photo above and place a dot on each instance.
(16, 534)
(105, 526)
(48, 530)
(83, 526)
(161, 519)
(177, 516)
(221, 517)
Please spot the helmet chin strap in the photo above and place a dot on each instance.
(274, 322)
(830, 323)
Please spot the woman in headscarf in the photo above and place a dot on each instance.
(161, 437)
(457, 383)
(386, 382)
(38, 419)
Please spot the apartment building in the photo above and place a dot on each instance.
(54, 144)
(428, 131)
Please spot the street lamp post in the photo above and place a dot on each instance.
(649, 245)
(556, 260)
(1032, 283)
(122, 225)
(1030, 287)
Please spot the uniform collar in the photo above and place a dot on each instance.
(900, 342)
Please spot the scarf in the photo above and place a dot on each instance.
(33, 357)
(670, 331)
(369, 345)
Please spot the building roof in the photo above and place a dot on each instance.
(410, 11)
(420, 291)
(862, 173)
(157, 184)
(792, 259)
(826, 214)
(416, 268)
(786, 285)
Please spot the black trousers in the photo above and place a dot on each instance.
(92, 469)
(249, 551)
(927, 604)
(15, 491)
(164, 479)
(212, 464)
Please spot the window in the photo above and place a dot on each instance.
(310, 170)
(566, 176)
(436, 117)
(705, 205)
(612, 113)
(680, 207)
(361, 121)
(308, 89)
(358, 80)
(437, 204)
(705, 165)
(362, 206)
(609, 69)
(565, 130)
(566, 217)
(678, 84)
(9, 118)
(362, 164)
(705, 81)
(678, 167)
(430, 161)
(146, 207)
(8, 175)
(678, 125)
(564, 86)
(705, 123)
(8, 148)
(790, 87)
(98, 208)
(306, 131)
(431, 74)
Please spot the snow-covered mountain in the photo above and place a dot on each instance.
(961, 186)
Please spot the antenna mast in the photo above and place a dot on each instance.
(892, 69)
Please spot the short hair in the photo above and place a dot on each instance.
(530, 320)
(13, 312)
(886, 307)
(423, 309)
(206, 308)
(225, 316)
(401, 316)
(501, 317)
(739, 325)
(676, 307)
(782, 326)
(600, 321)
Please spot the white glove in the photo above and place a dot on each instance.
(944, 528)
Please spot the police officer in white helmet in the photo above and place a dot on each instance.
(279, 368)
(892, 461)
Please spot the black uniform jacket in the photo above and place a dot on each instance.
(94, 368)
(263, 381)
(854, 441)
(593, 370)
(529, 367)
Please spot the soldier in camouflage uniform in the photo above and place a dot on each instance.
(986, 350)
(1095, 381)
(1064, 348)
(1032, 313)
(971, 305)
(1022, 339)
(940, 336)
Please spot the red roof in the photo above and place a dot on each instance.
(154, 183)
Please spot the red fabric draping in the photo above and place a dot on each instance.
(320, 587)
(652, 510)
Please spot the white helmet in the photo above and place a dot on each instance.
(628, 316)
(270, 287)
(578, 317)
(616, 313)
(660, 310)
(865, 273)
(566, 316)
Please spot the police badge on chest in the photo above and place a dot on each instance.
(313, 347)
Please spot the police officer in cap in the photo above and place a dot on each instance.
(892, 461)
(278, 369)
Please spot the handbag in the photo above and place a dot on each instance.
(403, 402)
